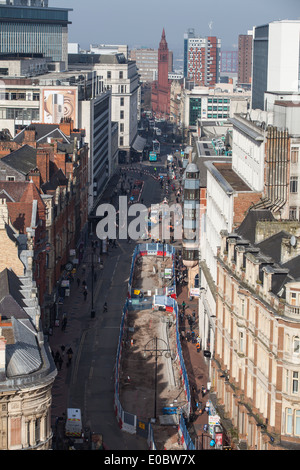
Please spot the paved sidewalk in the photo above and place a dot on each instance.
(196, 367)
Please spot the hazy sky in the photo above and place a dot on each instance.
(140, 23)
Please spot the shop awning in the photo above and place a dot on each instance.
(139, 144)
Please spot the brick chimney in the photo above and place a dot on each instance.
(43, 164)
(60, 161)
(66, 126)
(35, 176)
(29, 136)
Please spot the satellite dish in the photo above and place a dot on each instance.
(293, 240)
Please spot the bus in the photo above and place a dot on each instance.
(152, 157)
(156, 146)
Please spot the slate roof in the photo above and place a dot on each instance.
(293, 266)
(22, 351)
(23, 160)
(270, 250)
(11, 300)
(41, 130)
(58, 179)
(23, 356)
(248, 226)
(272, 245)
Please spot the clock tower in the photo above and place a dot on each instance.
(161, 88)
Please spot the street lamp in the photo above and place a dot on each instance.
(158, 351)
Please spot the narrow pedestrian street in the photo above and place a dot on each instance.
(88, 381)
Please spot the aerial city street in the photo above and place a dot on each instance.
(149, 231)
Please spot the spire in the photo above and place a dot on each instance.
(163, 42)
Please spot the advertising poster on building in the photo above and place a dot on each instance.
(57, 104)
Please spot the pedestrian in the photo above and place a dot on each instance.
(63, 350)
(64, 323)
(198, 350)
(85, 294)
(70, 355)
(57, 358)
(60, 362)
(78, 281)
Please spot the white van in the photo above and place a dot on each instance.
(73, 422)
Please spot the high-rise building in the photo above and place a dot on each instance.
(30, 27)
(161, 87)
(229, 62)
(276, 60)
(203, 60)
(245, 58)
(190, 33)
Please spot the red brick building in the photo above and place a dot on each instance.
(161, 88)
(48, 164)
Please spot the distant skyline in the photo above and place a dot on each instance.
(139, 24)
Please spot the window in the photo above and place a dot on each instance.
(294, 154)
(242, 307)
(121, 141)
(10, 178)
(121, 114)
(121, 127)
(121, 101)
(108, 75)
(294, 184)
(295, 382)
(296, 345)
(293, 213)
(120, 74)
(289, 420)
(297, 423)
(241, 342)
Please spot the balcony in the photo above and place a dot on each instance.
(292, 311)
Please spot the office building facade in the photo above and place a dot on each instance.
(190, 33)
(276, 60)
(32, 28)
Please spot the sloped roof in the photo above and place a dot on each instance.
(11, 300)
(40, 131)
(22, 350)
(272, 246)
(293, 266)
(13, 189)
(22, 160)
(248, 226)
(58, 179)
(23, 356)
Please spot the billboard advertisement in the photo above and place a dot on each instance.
(57, 104)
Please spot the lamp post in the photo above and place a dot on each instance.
(157, 351)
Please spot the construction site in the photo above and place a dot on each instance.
(151, 382)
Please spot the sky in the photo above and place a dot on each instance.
(139, 23)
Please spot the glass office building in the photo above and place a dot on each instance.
(34, 30)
